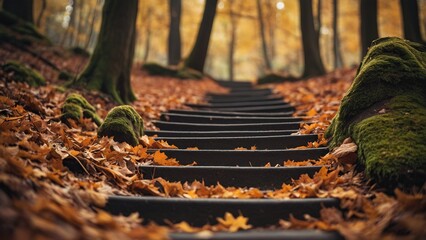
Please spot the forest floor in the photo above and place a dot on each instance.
(54, 178)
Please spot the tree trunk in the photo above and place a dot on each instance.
(78, 7)
(92, 25)
(20, 8)
(318, 21)
(369, 29)
(110, 66)
(174, 32)
(312, 59)
(410, 19)
(262, 35)
(198, 54)
(69, 28)
(271, 14)
(232, 39)
(338, 60)
(40, 15)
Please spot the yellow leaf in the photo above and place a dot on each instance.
(73, 152)
(160, 158)
(233, 224)
(185, 227)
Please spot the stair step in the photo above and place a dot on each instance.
(198, 212)
(255, 92)
(259, 158)
(239, 104)
(258, 177)
(279, 108)
(261, 142)
(262, 234)
(221, 113)
(189, 118)
(245, 99)
(225, 127)
(218, 133)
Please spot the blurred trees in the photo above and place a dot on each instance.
(280, 18)
(313, 64)
(411, 22)
(110, 65)
(369, 28)
(174, 42)
(197, 57)
(20, 8)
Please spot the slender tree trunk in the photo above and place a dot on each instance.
(198, 54)
(369, 29)
(110, 66)
(410, 19)
(92, 25)
(312, 58)
(338, 60)
(319, 23)
(232, 40)
(174, 57)
(20, 8)
(262, 35)
(147, 39)
(78, 7)
(272, 51)
(40, 15)
(70, 26)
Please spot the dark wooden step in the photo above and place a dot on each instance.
(190, 118)
(218, 133)
(257, 234)
(239, 104)
(258, 177)
(260, 92)
(261, 142)
(279, 108)
(259, 158)
(246, 99)
(198, 212)
(220, 113)
(225, 127)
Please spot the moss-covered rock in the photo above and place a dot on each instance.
(384, 112)
(66, 76)
(19, 32)
(80, 51)
(124, 124)
(22, 73)
(158, 70)
(275, 78)
(76, 107)
(155, 69)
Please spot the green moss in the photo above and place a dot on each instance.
(80, 51)
(24, 74)
(65, 76)
(17, 31)
(275, 78)
(75, 107)
(392, 76)
(158, 70)
(155, 69)
(124, 124)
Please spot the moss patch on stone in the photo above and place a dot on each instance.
(275, 78)
(76, 107)
(17, 31)
(155, 69)
(22, 73)
(124, 124)
(384, 111)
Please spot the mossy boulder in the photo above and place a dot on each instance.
(384, 112)
(22, 73)
(19, 32)
(76, 107)
(275, 78)
(80, 51)
(155, 69)
(124, 124)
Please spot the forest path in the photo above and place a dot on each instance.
(247, 117)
